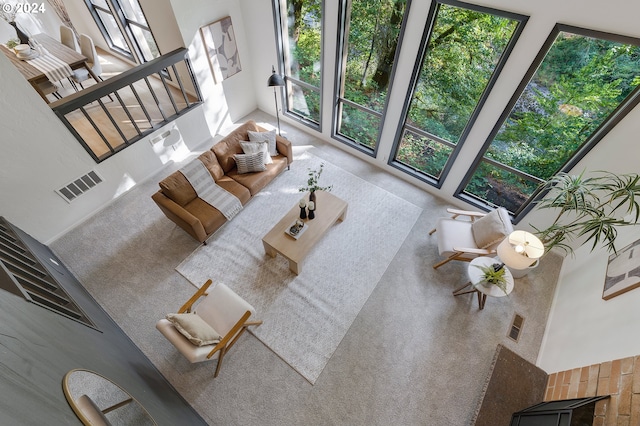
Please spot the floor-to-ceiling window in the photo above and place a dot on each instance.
(369, 39)
(581, 84)
(300, 43)
(463, 49)
(125, 28)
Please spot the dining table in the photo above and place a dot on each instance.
(53, 47)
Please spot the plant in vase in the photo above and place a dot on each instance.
(494, 275)
(313, 185)
(12, 42)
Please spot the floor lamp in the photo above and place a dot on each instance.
(275, 80)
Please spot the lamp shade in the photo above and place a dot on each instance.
(520, 250)
(275, 79)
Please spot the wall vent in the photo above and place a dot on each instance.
(516, 327)
(79, 186)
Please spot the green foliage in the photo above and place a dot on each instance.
(589, 207)
(495, 275)
(580, 82)
(12, 42)
(312, 181)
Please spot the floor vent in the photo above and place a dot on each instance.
(79, 186)
(22, 274)
(516, 327)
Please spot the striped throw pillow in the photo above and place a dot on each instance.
(249, 163)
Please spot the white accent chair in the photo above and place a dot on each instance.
(222, 309)
(475, 234)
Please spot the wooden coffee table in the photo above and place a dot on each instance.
(330, 210)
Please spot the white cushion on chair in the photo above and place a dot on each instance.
(491, 229)
(222, 308)
(454, 233)
(190, 351)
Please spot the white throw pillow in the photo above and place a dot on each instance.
(194, 328)
(253, 147)
(269, 136)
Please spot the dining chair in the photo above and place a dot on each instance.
(209, 329)
(88, 49)
(68, 38)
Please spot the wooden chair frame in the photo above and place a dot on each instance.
(231, 337)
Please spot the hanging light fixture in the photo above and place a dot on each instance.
(275, 80)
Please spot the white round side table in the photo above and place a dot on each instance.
(475, 277)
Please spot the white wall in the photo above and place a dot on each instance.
(39, 155)
(578, 304)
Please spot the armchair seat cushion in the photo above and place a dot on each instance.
(454, 233)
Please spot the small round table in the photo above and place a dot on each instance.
(475, 277)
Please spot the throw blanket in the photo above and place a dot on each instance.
(209, 191)
(52, 67)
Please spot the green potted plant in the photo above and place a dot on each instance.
(313, 185)
(493, 275)
(589, 208)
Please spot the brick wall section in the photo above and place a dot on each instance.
(619, 378)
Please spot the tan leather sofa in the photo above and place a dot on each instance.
(179, 202)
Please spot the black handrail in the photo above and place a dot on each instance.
(81, 101)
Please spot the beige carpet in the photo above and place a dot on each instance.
(306, 316)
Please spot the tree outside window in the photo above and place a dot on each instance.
(463, 51)
(566, 106)
(370, 36)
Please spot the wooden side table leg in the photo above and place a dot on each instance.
(457, 291)
(482, 298)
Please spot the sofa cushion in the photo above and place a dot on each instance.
(177, 187)
(209, 216)
(240, 191)
(250, 163)
(253, 147)
(210, 161)
(256, 181)
(229, 146)
(268, 136)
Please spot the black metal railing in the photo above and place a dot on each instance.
(140, 101)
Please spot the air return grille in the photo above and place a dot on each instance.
(516, 327)
(79, 186)
(22, 274)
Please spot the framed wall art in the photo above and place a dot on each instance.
(220, 45)
(623, 271)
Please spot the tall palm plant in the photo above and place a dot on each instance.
(591, 207)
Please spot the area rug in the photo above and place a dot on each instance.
(307, 315)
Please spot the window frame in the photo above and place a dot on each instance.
(344, 14)
(280, 6)
(135, 53)
(415, 77)
(596, 136)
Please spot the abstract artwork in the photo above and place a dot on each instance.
(220, 44)
(623, 271)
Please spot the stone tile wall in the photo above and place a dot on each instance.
(619, 378)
